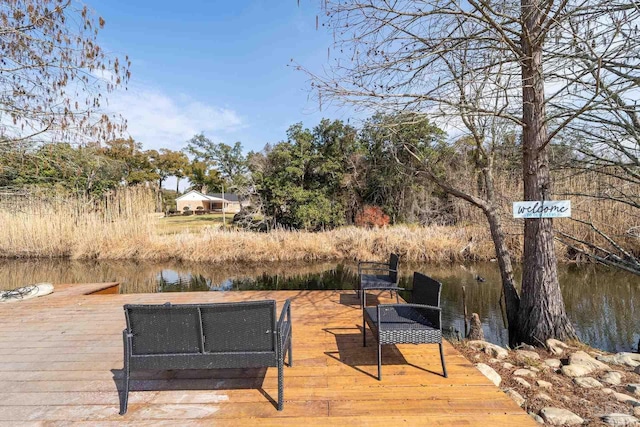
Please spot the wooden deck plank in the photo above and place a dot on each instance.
(61, 362)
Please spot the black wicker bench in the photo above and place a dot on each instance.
(415, 323)
(206, 336)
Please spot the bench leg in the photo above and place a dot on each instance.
(444, 367)
(125, 392)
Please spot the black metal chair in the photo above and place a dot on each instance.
(384, 277)
(206, 336)
(419, 322)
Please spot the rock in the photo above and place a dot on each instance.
(493, 360)
(636, 411)
(582, 358)
(606, 391)
(573, 371)
(553, 363)
(524, 373)
(637, 370)
(556, 347)
(558, 416)
(544, 384)
(625, 398)
(543, 396)
(533, 369)
(619, 420)
(613, 378)
(488, 372)
(628, 359)
(536, 417)
(522, 382)
(507, 365)
(517, 397)
(581, 364)
(475, 328)
(634, 388)
(587, 382)
(526, 347)
(490, 349)
(527, 354)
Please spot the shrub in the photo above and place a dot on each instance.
(372, 216)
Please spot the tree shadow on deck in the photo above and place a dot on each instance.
(352, 353)
(194, 379)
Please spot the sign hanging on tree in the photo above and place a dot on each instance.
(542, 209)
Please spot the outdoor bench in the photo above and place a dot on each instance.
(206, 336)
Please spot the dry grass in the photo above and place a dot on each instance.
(121, 228)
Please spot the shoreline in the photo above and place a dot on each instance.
(564, 383)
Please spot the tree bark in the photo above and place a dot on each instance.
(542, 313)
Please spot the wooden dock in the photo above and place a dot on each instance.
(61, 363)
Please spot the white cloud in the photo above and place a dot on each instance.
(160, 120)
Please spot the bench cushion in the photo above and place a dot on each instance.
(400, 325)
(375, 280)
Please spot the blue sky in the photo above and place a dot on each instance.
(220, 67)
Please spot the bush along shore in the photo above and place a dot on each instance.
(563, 384)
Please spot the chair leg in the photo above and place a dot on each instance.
(444, 367)
(290, 352)
(364, 330)
(280, 385)
(379, 361)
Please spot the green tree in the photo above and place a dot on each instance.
(169, 163)
(202, 177)
(138, 163)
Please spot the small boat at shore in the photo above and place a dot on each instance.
(26, 292)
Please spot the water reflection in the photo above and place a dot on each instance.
(602, 303)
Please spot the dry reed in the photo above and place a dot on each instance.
(121, 227)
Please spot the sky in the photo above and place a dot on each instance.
(218, 67)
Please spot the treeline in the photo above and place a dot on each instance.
(320, 178)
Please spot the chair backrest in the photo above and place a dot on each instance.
(425, 290)
(394, 259)
(197, 328)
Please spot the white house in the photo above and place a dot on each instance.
(195, 201)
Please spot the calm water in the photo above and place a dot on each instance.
(604, 304)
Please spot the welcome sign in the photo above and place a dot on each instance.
(542, 209)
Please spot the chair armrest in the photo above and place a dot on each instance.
(362, 265)
(375, 269)
(283, 327)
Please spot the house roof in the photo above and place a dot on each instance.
(205, 196)
(229, 197)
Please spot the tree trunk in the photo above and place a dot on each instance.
(177, 185)
(542, 313)
(511, 298)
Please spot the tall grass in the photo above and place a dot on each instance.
(50, 225)
(122, 227)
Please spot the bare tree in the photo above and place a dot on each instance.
(536, 57)
(53, 73)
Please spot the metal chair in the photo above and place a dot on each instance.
(419, 322)
(384, 277)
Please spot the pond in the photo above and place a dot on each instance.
(603, 303)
